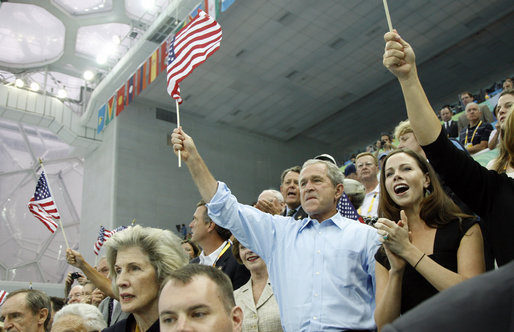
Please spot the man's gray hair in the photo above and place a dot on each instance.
(334, 174)
(275, 194)
(35, 301)
(93, 318)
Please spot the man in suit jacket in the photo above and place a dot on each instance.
(216, 247)
(111, 310)
(483, 303)
(451, 127)
(290, 189)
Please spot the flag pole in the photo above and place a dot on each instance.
(50, 190)
(178, 126)
(133, 222)
(386, 8)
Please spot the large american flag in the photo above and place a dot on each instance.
(189, 48)
(104, 235)
(3, 295)
(42, 204)
(346, 209)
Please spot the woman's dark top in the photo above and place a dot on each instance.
(124, 326)
(415, 288)
(489, 194)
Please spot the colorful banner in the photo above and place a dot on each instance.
(131, 89)
(120, 100)
(101, 119)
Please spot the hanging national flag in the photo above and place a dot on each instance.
(110, 111)
(42, 204)
(225, 4)
(131, 89)
(164, 57)
(346, 209)
(141, 78)
(101, 119)
(212, 8)
(153, 65)
(120, 100)
(189, 48)
(3, 295)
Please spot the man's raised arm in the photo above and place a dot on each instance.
(201, 175)
(399, 58)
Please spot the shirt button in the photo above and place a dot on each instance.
(315, 294)
(314, 317)
(319, 233)
(317, 272)
(319, 252)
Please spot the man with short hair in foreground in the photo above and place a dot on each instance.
(322, 267)
(26, 310)
(198, 298)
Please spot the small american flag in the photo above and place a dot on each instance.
(189, 48)
(104, 235)
(3, 295)
(42, 204)
(346, 209)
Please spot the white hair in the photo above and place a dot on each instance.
(275, 194)
(93, 318)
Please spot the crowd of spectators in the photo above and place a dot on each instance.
(427, 223)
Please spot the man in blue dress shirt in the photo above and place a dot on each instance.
(322, 268)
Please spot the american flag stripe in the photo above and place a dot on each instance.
(48, 206)
(190, 48)
(3, 295)
(41, 215)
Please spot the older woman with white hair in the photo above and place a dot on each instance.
(78, 317)
(139, 259)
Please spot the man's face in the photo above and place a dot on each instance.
(473, 113)
(319, 195)
(507, 84)
(446, 114)
(102, 267)
(466, 99)
(366, 168)
(199, 228)
(290, 190)
(76, 295)
(196, 306)
(409, 141)
(18, 317)
(385, 139)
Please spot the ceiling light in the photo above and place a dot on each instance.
(88, 75)
(116, 39)
(62, 94)
(101, 59)
(19, 83)
(34, 86)
(148, 4)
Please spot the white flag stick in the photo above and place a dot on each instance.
(178, 126)
(55, 203)
(386, 8)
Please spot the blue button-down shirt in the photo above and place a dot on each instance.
(323, 274)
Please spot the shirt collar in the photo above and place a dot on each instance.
(212, 257)
(337, 219)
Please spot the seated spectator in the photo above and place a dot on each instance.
(350, 172)
(507, 84)
(367, 171)
(139, 259)
(79, 317)
(476, 135)
(191, 248)
(429, 245)
(384, 144)
(451, 127)
(26, 310)
(504, 106)
(256, 297)
(76, 294)
(486, 115)
(198, 290)
(355, 192)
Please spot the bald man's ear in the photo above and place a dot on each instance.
(237, 319)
